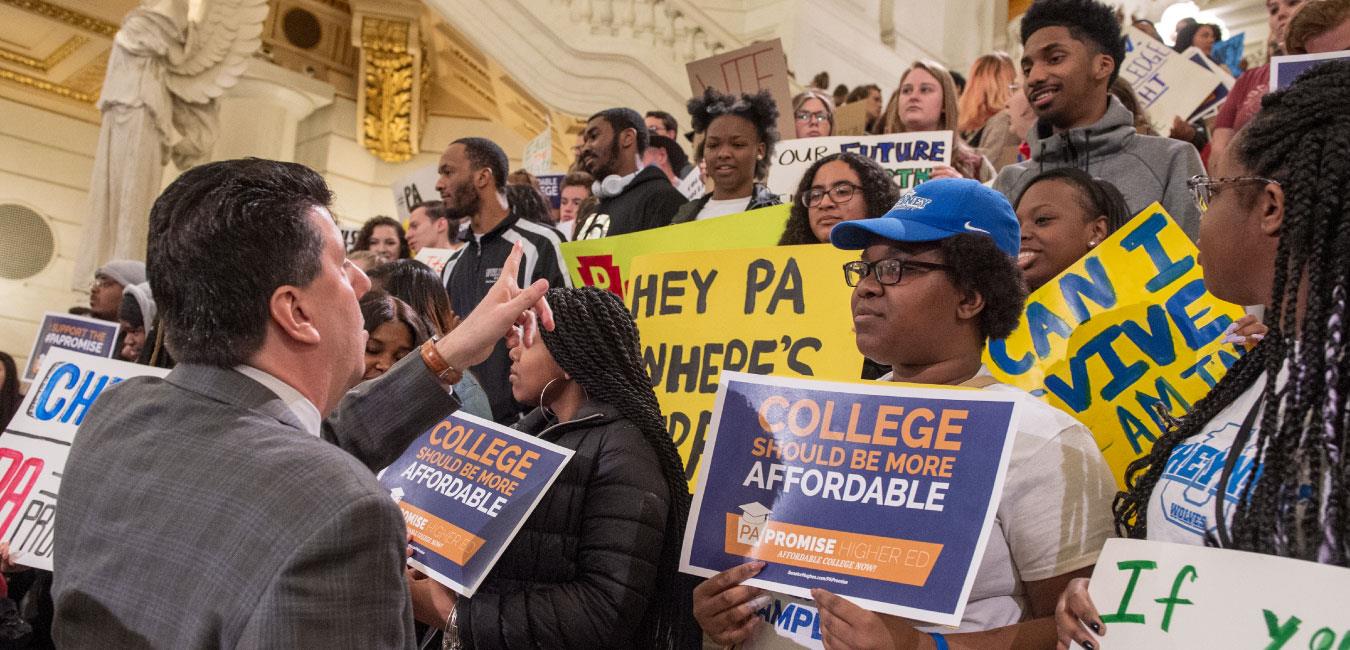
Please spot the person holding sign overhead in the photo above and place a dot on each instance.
(1268, 438)
(739, 135)
(936, 281)
(596, 565)
(927, 101)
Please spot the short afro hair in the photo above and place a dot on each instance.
(621, 119)
(978, 264)
(483, 152)
(759, 109)
(1088, 21)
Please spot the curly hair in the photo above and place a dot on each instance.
(529, 203)
(368, 231)
(879, 191)
(759, 109)
(979, 265)
(596, 342)
(1299, 506)
(1088, 21)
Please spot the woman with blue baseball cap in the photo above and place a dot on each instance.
(936, 280)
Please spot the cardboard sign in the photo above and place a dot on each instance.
(882, 494)
(761, 66)
(1284, 70)
(76, 333)
(1161, 596)
(769, 311)
(465, 488)
(909, 157)
(1125, 331)
(36, 442)
(414, 188)
(538, 156)
(1168, 85)
(851, 119)
(604, 262)
(436, 258)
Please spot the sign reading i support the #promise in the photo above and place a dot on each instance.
(884, 494)
(465, 487)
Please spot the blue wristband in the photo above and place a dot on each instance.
(940, 640)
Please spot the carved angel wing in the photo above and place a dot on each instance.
(217, 50)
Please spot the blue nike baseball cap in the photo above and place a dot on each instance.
(934, 211)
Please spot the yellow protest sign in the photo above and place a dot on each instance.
(1125, 331)
(770, 311)
(604, 262)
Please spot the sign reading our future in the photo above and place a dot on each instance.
(881, 493)
(909, 157)
(1160, 596)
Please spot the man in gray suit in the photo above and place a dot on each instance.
(217, 507)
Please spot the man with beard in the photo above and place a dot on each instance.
(472, 184)
(632, 197)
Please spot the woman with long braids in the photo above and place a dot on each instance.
(597, 563)
(1277, 233)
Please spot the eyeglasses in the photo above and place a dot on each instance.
(1203, 188)
(887, 271)
(840, 193)
(808, 118)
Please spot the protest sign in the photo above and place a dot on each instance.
(465, 487)
(884, 494)
(748, 70)
(1224, 83)
(36, 442)
(909, 157)
(414, 188)
(1284, 70)
(780, 311)
(851, 119)
(1228, 53)
(436, 258)
(77, 333)
(691, 186)
(538, 156)
(604, 262)
(1168, 85)
(551, 186)
(1159, 596)
(1125, 331)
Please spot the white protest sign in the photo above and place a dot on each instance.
(415, 188)
(434, 257)
(1158, 595)
(1168, 84)
(538, 157)
(36, 442)
(1285, 69)
(909, 157)
(692, 185)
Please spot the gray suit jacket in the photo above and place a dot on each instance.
(195, 513)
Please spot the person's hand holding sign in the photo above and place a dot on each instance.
(1075, 615)
(725, 608)
(845, 626)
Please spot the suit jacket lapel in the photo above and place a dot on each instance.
(231, 387)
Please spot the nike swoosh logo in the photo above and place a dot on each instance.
(973, 228)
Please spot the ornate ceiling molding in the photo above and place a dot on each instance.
(47, 86)
(43, 65)
(68, 16)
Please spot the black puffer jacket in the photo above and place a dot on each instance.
(582, 570)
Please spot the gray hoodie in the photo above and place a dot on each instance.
(1144, 168)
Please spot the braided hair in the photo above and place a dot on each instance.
(596, 343)
(1297, 506)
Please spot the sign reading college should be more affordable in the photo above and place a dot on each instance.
(465, 487)
(768, 311)
(36, 442)
(76, 333)
(1159, 596)
(1126, 331)
(882, 494)
(909, 157)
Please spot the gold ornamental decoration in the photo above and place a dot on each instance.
(389, 73)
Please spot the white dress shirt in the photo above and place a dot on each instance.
(304, 410)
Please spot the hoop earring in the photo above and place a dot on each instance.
(542, 404)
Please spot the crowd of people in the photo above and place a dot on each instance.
(193, 515)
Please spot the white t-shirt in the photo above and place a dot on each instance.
(1181, 508)
(1054, 517)
(714, 208)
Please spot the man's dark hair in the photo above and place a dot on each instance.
(223, 237)
(879, 191)
(667, 120)
(483, 152)
(578, 179)
(958, 79)
(674, 154)
(759, 109)
(435, 209)
(1088, 21)
(978, 264)
(368, 231)
(625, 118)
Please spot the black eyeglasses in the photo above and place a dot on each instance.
(887, 271)
(1203, 188)
(840, 193)
(807, 117)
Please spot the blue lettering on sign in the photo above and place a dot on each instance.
(58, 402)
(1097, 286)
(1146, 236)
(1195, 336)
(888, 153)
(794, 619)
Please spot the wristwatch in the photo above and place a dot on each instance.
(438, 365)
